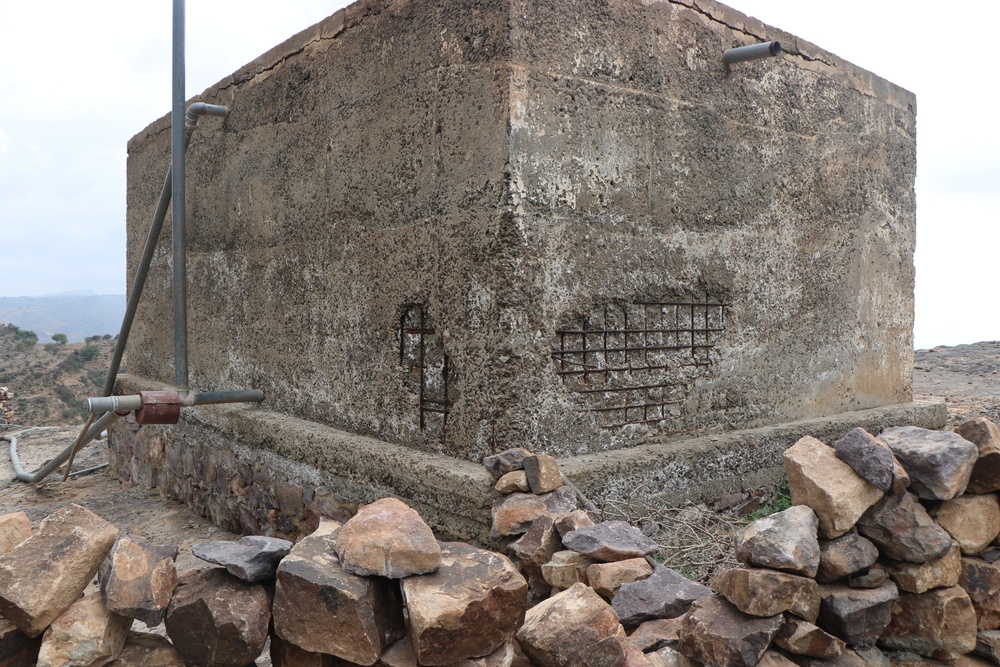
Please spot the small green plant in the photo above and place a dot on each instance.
(88, 352)
(25, 339)
(779, 501)
(59, 338)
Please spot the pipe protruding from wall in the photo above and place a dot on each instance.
(752, 52)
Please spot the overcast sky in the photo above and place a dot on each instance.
(80, 78)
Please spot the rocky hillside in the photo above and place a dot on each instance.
(51, 382)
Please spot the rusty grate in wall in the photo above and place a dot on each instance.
(632, 362)
(421, 353)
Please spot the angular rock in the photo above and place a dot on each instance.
(663, 594)
(817, 478)
(143, 649)
(985, 435)
(572, 520)
(287, 654)
(981, 581)
(16, 648)
(856, 615)
(974, 521)
(941, 620)
(717, 634)
(387, 539)
(14, 529)
(760, 592)
(574, 628)
(137, 579)
(610, 541)
(538, 544)
(467, 609)
(654, 635)
(85, 634)
(607, 578)
(42, 576)
(513, 481)
(988, 645)
(902, 530)
(868, 457)
(542, 472)
(849, 658)
(773, 658)
(939, 462)
(872, 657)
(803, 638)
(218, 620)
(322, 608)
(922, 577)
(873, 578)
(565, 569)
(251, 558)
(782, 541)
(844, 556)
(513, 513)
(506, 461)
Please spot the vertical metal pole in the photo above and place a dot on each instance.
(178, 227)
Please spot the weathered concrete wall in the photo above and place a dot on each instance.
(456, 206)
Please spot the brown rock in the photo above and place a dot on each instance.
(941, 620)
(143, 649)
(542, 472)
(506, 461)
(988, 645)
(939, 463)
(565, 569)
(817, 478)
(217, 620)
(856, 615)
(575, 628)
(572, 520)
(287, 654)
(610, 541)
(45, 574)
(902, 530)
(974, 521)
(782, 541)
(968, 660)
(760, 592)
(717, 634)
(469, 608)
(849, 658)
(981, 581)
(400, 654)
(85, 634)
(16, 648)
(513, 513)
(773, 658)
(606, 578)
(653, 635)
(803, 638)
(14, 529)
(844, 556)
(538, 544)
(387, 539)
(635, 658)
(137, 579)
(663, 594)
(922, 577)
(513, 481)
(868, 457)
(322, 608)
(873, 578)
(985, 435)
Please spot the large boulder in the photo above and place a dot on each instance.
(785, 540)
(514, 512)
(761, 592)
(717, 634)
(137, 579)
(867, 456)
(388, 539)
(939, 462)
(941, 621)
(664, 594)
(856, 615)
(973, 520)
(610, 541)
(902, 530)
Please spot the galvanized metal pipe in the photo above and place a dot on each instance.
(92, 433)
(178, 221)
(752, 52)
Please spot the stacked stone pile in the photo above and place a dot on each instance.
(6, 411)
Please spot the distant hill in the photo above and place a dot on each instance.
(79, 316)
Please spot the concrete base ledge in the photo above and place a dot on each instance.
(272, 452)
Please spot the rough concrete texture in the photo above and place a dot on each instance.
(470, 180)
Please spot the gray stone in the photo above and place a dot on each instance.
(85, 634)
(939, 462)
(610, 541)
(387, 538)
(856, 615)
(137, 579)
(42, 576)
(251, 558)
(868, 457)
(988, 645)
(468, 608)
(574, 628)
(506, 461)
(761, 592)
(717, 634)
(663, 594)
(803, 638)
(513, 513)
(843, 556)
(922, 577)
(218, 620)
(542, 473)
(784, 540)
(981, 581)
(985, 435)
(322, 608)
(902, 530)
(939, 621)
(144, 649)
